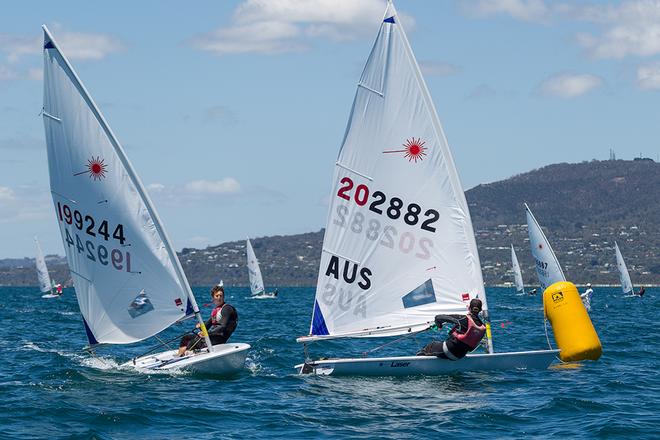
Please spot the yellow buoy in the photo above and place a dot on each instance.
(575, 334)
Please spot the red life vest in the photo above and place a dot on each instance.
(216, 314)
(472, 335)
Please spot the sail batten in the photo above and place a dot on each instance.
(403, 248)
(129, 282)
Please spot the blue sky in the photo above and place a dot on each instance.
(232, 112)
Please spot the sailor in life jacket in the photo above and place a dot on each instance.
(586, 297)
(463, 338)
(220, 326)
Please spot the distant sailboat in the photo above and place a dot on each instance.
(547, 266)
(399, 247)
(517, 275)
(256, 281)
(624, 275)
(128, 279)
(47, 287)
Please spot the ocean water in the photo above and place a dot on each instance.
(50, 388)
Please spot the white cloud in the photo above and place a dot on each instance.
(525, 10)
(276, 26)
(648, 76)
(6, 73)
(25, 203)
(262, 37)
(631, 28)
(195, 190)
(86, 46)
(430, 68)
(228, 189)
(568, 85)
(22, 143)
(6, 194)
(15, 47)
(228, 185)
(156, 187)
(627, 28)
(35, 74)
(76, 45)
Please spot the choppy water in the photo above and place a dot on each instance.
(49, 388)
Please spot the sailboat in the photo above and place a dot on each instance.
(256, 281)
(548, 268)
(46, 286)
(624, 275)
(517, 275)
(128, 280)
(399, 246)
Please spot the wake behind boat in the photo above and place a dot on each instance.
(128, 280)
(399, 247)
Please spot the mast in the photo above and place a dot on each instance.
(138, 185)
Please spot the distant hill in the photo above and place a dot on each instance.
(582, 207)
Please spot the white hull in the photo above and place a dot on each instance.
(430, 365)
(225, 359)
(51, 295)
(264, 295)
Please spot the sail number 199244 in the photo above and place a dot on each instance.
(117, 258)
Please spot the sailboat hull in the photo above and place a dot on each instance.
(430, 366)
(51, 295)
(225, 359)
(264, 295)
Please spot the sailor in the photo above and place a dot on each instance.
(586, 297)
(532, 292)
(58, 288)
(220, 326)
(641, 291)
(464, 337)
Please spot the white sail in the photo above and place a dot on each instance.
(256, 281)
(399, 246)
(547, 266)
(624, 275)
(517, 275)
(128, 281)
(45, 284)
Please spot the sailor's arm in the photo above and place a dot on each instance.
(453, 319)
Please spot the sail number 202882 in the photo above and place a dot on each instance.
(395, 209)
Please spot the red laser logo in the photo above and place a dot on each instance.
(96, 168)
(414, 150)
